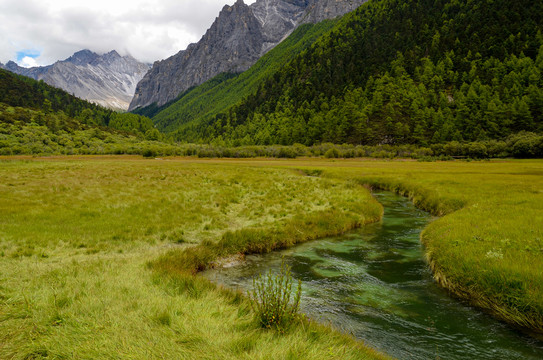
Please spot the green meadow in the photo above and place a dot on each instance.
(79, 237)
(99, 255)
(487, 246)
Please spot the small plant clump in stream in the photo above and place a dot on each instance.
(271, 299)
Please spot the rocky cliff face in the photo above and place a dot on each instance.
(240, 35)
(320, 10)
(232, 44)
(278, 18)
(109, 80)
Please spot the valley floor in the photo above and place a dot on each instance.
(79, 237)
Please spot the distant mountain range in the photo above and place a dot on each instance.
(108, 80)
(240, 35)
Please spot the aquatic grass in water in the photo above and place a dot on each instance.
(486, 250)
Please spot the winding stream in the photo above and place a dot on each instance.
(374, 284)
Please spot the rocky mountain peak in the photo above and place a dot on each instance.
(109, 57)
(232, 44)
(238, 37)
(82, 57)
(109, 80)
(113, 53)
(11, 65)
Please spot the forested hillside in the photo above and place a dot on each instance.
(22, 91)
(36, 118)
(401, 72)
(204, 102)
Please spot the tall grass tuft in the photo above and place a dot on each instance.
(273, 301)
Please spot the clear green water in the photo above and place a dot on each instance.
(374, 284)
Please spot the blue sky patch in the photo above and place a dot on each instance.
(33, 53)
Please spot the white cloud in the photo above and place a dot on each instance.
(148, 30)
(27, 61)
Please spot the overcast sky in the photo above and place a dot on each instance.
(40, 32)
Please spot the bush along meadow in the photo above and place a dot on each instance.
(523, 145)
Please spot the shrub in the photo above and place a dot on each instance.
(477, 150)
(331, 153)
(286, 152)
(271, 299)
(525, 145)
(149, 153)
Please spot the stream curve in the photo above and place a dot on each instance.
(374, 283)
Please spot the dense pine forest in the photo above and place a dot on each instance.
(401, 72)
(24, 92)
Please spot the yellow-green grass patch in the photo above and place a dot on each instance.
(76, 235)
(488, 248)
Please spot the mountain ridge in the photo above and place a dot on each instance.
(238, 37)
(108, 80)
(224, 90)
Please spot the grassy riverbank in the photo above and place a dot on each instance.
(488, 249)
(77, 235)
(85, 244)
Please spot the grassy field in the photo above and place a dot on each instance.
(488, 249)
(97, 253)
(77, 236)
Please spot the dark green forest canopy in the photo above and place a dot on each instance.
(22, 91)
(400, 72)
